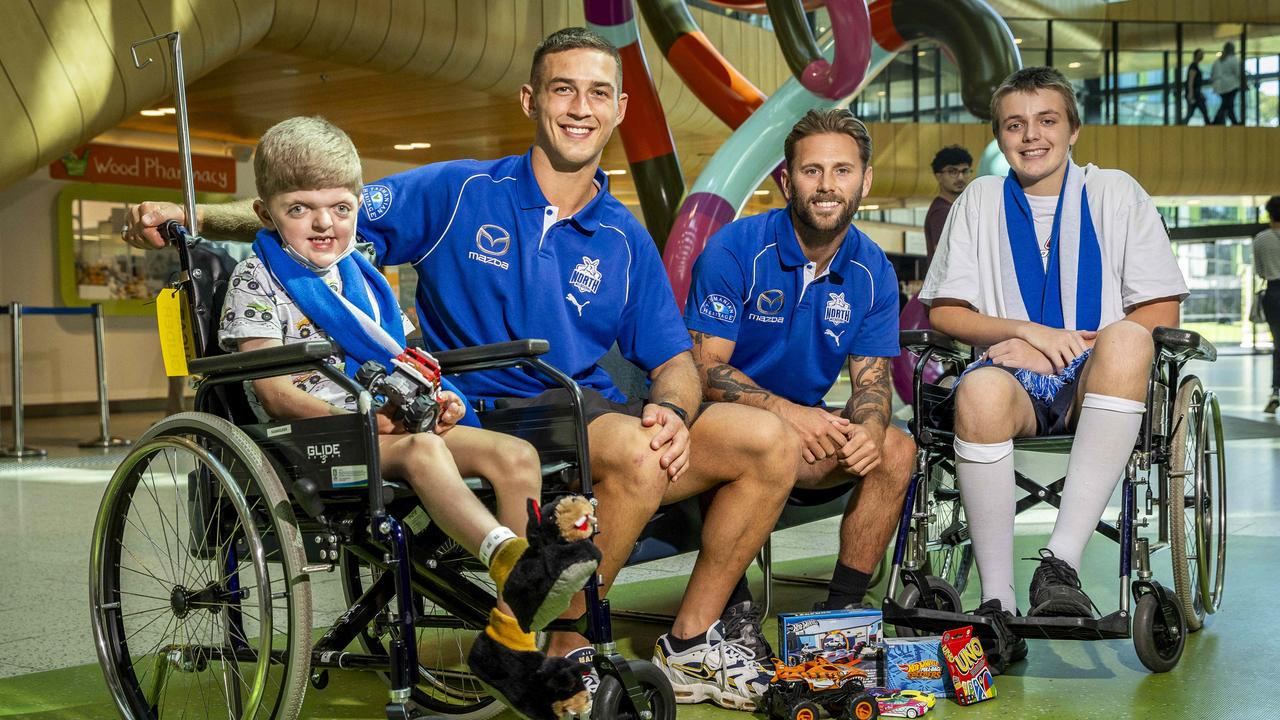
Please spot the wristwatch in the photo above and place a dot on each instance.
(684, 414)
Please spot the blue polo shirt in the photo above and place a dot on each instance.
(749, 286)
(494, 264)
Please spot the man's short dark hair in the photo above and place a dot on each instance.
(1029, 80)
(1273, 208)
(838, 121)
(572, 38)
(951, 155)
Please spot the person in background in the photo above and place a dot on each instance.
(1266, 264)
(1225, 76)
(953, 169)
(1195, 88)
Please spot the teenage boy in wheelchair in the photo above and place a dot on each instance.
(305, 280)
(1057, 274)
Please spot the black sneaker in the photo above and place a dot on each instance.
(1272, 404)
(742, 627)
(1007, 648)
(1055, 589)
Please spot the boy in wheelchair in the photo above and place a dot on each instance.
(306, 280)
(1058, 274)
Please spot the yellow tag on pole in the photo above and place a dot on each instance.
(176, 343)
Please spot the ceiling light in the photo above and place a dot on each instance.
(420, 145)
(1193, 202)
(403, 146)
(870, 207)
(1073, 64)
(615, 172)
(154, 113)
(881, 93)
(1017, 41)
(921, 53)
(290, 71)
(761, 192)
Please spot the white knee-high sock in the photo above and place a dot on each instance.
(984, 474)
(1105, 438)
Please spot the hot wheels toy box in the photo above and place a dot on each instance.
(916, 664)
(968, 666)
(831, 635)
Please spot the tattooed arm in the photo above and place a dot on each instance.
(820, 431)
(870, 404)
(722, 381)
(868, 411)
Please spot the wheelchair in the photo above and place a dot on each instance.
(211, 530)
(1173, 497)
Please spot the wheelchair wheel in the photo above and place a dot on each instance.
(1158, 643)
(198, 602)
(445, 684)
(941, 597)
(948, 553)
(1196, 488)
(610, 701)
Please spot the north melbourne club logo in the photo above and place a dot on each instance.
(837, 309)
(586, 275)
(718, 307)
(377, 200)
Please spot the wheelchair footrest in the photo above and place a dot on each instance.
(1113, 626)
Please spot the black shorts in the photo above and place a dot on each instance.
(593, 403)
(1052, 416)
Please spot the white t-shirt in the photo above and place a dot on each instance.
(1043, 208)
(1137, 260)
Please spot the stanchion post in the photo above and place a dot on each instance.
(104, 439)
(19, 449)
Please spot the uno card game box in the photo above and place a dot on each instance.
(968, 666)
(916, 664)
(830, 635)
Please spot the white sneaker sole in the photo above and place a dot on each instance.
(701, 692)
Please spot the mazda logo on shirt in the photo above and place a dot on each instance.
(769, 302)
(493, 240)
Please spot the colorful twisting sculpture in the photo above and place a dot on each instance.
(975, 38)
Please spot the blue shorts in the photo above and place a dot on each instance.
(1051, 395)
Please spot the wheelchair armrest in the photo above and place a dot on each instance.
(1184, 344)
(488, 357)
(265, 362)
(919, 341)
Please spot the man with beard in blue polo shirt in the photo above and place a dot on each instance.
(535, 246)
(780, 302)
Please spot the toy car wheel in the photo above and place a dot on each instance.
(910, 712)
(1158, 642)
(862, 707)
(804, 710)
(941, 597)
(612, 703)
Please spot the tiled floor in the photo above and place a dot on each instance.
(47, 511)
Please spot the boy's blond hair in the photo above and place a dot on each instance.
(305, 153)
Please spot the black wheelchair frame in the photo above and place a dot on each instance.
(246, 509)
(1182, 441)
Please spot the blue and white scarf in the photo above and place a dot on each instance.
(364, 321)
(1067, 293)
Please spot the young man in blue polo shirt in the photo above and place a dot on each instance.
(780, 302)
(535, 246)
